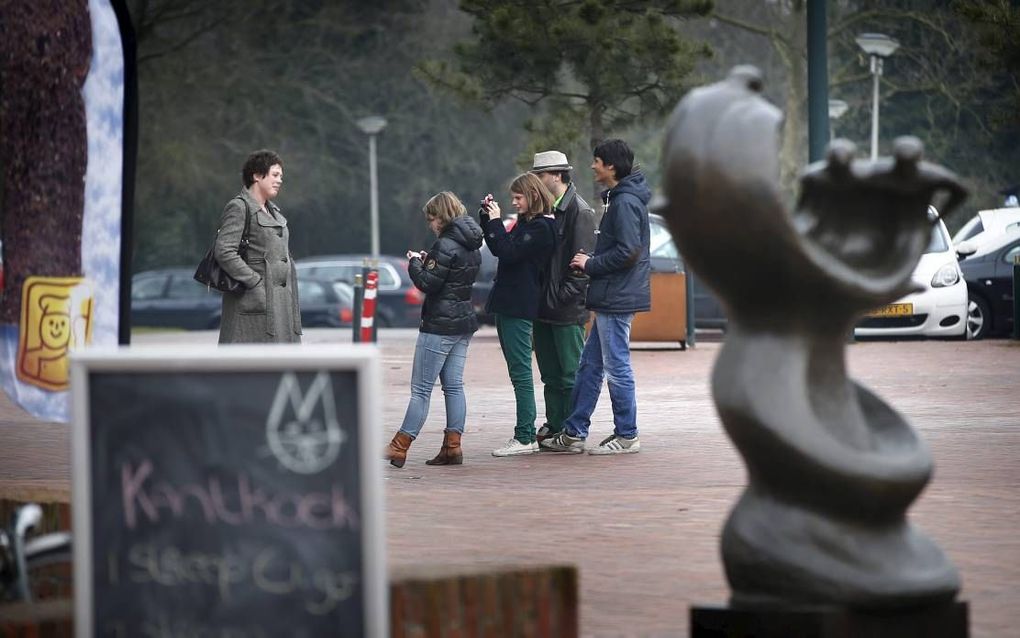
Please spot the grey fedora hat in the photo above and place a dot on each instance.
(550, 161)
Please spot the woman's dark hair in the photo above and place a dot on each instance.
(617, 154)
(259, 163)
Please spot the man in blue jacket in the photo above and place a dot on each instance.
(619, 287)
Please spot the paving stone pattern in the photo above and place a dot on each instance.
(643, 528)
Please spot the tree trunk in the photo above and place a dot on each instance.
(793, 155)
(45, 52)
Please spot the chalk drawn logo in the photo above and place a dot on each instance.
(303, 432)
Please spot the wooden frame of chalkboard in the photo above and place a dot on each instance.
(209, 498)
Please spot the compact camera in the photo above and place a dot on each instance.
(483, 207)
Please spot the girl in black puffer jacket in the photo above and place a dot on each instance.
(445, 274)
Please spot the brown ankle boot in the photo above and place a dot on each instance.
(450, 453)
(396, 451)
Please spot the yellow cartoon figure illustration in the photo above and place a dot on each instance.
(56, 317)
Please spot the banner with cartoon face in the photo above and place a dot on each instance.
(62, 108)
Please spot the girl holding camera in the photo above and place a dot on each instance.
(523, 255)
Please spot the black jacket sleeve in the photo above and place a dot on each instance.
(575, 282)
(429, 276)
(512, 248)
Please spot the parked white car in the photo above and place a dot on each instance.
(985, 226)
(939, 309)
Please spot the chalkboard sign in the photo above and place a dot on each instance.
(228, 492)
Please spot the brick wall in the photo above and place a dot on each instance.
(464, 602)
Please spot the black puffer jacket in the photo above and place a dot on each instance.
(446, 277)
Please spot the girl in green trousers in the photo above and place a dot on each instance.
(523, 253)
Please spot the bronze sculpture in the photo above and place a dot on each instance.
(832, 468)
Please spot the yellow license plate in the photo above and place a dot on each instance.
(893, 310)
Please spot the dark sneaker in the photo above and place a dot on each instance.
(617, 445)
(563, 442)
(544, 433)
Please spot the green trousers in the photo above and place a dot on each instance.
(558, 351)
(515, 340)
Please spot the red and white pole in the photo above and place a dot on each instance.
(368, 307)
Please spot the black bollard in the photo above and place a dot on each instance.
(359, 298)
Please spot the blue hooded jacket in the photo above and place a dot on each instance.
(621, 267)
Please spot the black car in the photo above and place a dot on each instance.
(664, 256)
(171, 298)
(325, 303)
(989, 276)
(398, 301)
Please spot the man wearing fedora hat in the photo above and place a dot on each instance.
(559, 330)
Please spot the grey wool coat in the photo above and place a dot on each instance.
(267, 311)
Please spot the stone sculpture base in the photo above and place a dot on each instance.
(943, 621)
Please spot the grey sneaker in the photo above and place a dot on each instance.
(563, 442)
(617, 445)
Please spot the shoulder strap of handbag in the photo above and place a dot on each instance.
(247, 222)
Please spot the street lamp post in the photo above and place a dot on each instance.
(878, 47)
(372, 126)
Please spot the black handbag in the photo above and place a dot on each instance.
(209, 271)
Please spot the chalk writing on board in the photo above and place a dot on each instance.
(320, 587)
(229, 501)
(162, 625)
(202, 530)
(304, 439)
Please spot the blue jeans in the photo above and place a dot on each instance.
(606, 354)
(441, 356)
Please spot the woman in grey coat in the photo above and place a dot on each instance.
(267, 310)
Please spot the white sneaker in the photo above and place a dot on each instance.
(514, 447)
(617, 445)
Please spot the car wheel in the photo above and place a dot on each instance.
(978, 318)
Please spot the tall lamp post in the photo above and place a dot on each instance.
(878, 47)
(372, 126)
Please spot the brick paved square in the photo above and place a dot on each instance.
(643, 528)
